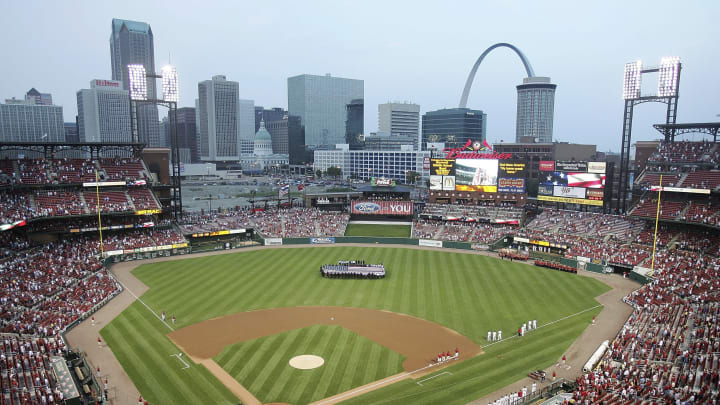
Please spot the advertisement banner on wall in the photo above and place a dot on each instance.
(442, 167)
(442, 183)
(571, 167)
(569, 192)
(322, 241)
(511, 185)
(596, 167)
(545, 189)
(430, 243)
(547, 166)
(273, 241)
(595, 194)
(570, 200)
(382, 208)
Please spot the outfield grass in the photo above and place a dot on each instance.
(395, 231)
(261, 365)
(468, 293)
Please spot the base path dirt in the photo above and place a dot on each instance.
(417, 339)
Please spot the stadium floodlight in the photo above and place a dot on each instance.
(138, 82)
(668, 76)
(633, 78)
(170, 84)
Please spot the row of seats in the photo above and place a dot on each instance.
(70, 171)
(18, 205)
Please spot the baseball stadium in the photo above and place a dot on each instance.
(483, 292)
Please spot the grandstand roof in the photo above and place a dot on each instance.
(670, 130)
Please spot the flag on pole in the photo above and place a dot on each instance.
(284, 190)
(301, 187)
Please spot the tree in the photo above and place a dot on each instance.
(411, 177)
(318, 173)
(334, 171)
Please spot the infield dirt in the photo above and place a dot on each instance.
(418, 340)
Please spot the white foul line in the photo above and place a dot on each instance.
(180, 358)
(430, 378)
(401, 376)
(513, 336)
(141, 301)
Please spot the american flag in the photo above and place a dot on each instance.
(284, 191)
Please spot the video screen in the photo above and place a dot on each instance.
(476, 175)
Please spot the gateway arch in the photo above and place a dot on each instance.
(471, 76)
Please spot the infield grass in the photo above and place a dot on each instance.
(261, 365)
(470, 294)
(393, 231)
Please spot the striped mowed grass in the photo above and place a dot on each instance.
(470, 294)
(391, 231)
(261, 365)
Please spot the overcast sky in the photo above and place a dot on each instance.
(404, 51)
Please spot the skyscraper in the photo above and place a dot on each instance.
(25, 121)
(224, 122)
(104, 112)
(246, 126)
(399, 118)
(320, 102)
(355, 123)
(453, 126)
(187, 134)
(268, 115)
(279, 133)
(535, 109)
(38, 98)
(131, 42)
(71, 132)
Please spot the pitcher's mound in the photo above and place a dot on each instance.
(307, 362)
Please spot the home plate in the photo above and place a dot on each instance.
(306, 362)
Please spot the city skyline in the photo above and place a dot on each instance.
(577, 47)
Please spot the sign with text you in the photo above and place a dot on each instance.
(399, 208)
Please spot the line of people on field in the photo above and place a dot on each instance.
(447, 356)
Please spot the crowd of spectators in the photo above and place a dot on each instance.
(285, 223)
(686, 152)
(18, 205)
(458, 231)
(26, 373)
(43, 290)
(668, 351)
(69, 171)
(588, 224)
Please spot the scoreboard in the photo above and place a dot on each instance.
(572, 182)
(486, 175)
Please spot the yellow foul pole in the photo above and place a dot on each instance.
(97, 196)
(657, 219)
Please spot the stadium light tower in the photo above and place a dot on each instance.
(170, 97)
(170, 84)
(667, 93)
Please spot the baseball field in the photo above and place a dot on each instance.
(396, 231)
(245, 315)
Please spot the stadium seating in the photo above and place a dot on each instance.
(703, 179)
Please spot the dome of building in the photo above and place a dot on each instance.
(263, 141)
